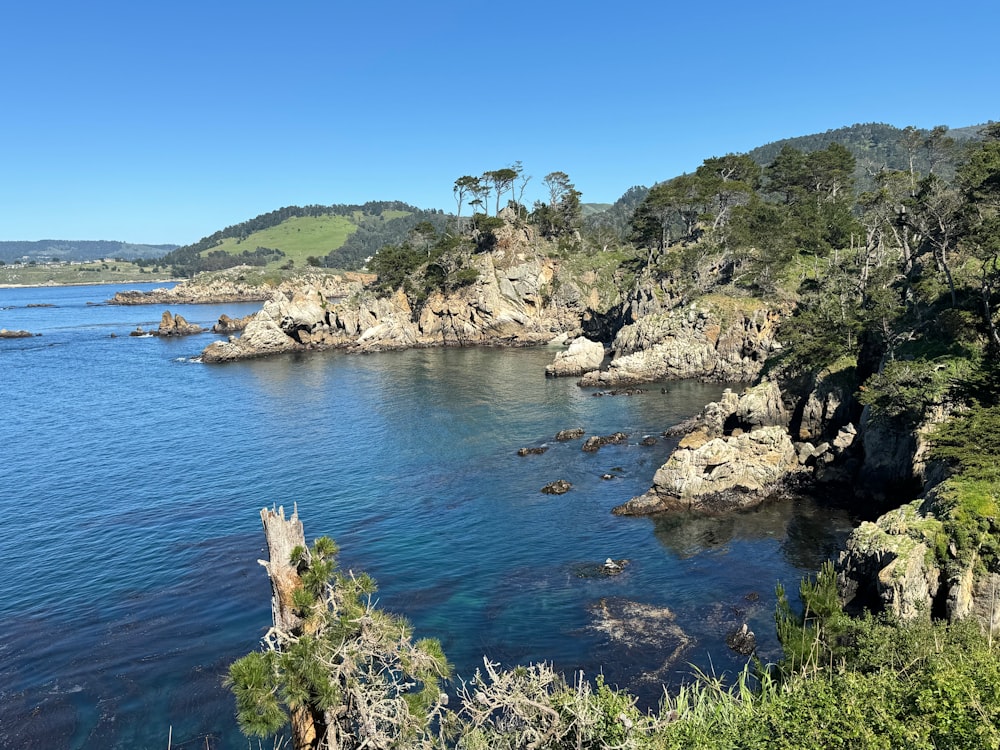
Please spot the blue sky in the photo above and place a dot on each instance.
(163, 122)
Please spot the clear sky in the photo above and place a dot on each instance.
(162, 122)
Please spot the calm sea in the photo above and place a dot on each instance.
(132, 475)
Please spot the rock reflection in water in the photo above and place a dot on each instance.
(810, 530)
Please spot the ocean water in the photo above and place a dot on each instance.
(132, 476)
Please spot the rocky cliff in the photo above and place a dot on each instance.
(714, 337)
(510, 303)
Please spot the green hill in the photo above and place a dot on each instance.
(337, 236)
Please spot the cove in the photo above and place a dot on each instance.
(133, 475)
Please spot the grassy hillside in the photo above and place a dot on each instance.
(298, 238)
(339, 236)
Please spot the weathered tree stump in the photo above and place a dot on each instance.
(283, 536)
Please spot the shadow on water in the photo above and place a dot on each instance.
(809, 531)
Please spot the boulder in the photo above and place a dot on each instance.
(176, 325)
(581, 356)
(558, 487)
(596, 442)
(571, 434)
(724, 473)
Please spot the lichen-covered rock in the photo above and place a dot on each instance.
(581, 356)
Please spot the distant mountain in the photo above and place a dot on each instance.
(44, 251)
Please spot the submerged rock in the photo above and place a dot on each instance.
(558, 487)
(532, 451)
(596, 442)
(646, 628)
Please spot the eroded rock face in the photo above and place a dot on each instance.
(506, 305)
(887, 564)
(581, 356)
(698, 341)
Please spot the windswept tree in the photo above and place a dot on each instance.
(563, 213)
(464, 187)
(341, 672)
(502, 180)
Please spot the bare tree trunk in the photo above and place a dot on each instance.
(283, 536)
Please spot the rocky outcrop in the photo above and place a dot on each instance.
(727, 473)
(581, 356)
(242, 284)
(507, 305)
(558, 487)
(5, 334)
(714, 338)
(596, 442)
(176, 325)
(226, 324)
(888, 564)
(906, 563)
(737, 452)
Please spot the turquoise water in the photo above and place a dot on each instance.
(132, 475)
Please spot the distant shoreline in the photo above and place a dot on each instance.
(88, 283)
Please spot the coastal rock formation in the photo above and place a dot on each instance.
(5, 334)
(829, 404)
(726, 473)
(574, 433)
(176, 325)
(558, 487)
(713, 338)
(737, 451)
(241, 284)
(596, 442)
(581, 356)
(230, 325)
(506, 305)
(898, 563)
(887, 565)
